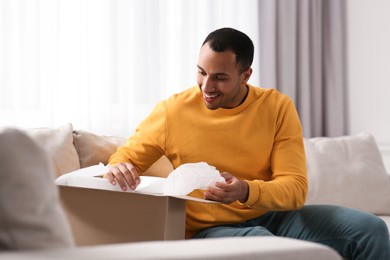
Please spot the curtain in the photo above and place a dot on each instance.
(303, 55)
(102, 65)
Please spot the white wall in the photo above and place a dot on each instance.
(368, 27)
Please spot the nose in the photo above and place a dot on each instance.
(207, 85)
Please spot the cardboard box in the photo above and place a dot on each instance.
(106, 217)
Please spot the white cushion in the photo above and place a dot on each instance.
(347, 171)
(58, 143)
(30, 213)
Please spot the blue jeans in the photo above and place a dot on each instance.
(353, 234)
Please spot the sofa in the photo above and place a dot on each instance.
(346, 170)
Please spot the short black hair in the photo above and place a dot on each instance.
(231, 39)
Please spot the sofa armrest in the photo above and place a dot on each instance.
(265, 248)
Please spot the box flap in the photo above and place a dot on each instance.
(149, 185)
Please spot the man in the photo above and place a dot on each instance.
(254, 137)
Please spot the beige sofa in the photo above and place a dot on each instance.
(339, 169)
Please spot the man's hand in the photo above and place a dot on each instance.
(123, 173)
(227, 192)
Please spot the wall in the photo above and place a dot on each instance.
(369, 70)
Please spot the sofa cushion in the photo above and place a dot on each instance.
(347, 171)
(94, 149)
(58, 143)
(30, 213)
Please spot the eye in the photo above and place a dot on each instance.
(201, 72)
(221, 77)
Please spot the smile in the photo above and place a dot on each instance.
(210, 96)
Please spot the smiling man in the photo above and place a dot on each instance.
(221, 78)
(254, 137)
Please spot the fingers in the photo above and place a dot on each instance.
(228, 177)
(228, 184)
(110, 177)
(123, 174)
(221, 195)
(218, 195)
(226, 192)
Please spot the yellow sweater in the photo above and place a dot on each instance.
(259, 141)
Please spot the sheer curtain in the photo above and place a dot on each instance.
(103, 64)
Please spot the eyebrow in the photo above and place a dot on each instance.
(218, 73)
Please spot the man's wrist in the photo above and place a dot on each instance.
(244, 192)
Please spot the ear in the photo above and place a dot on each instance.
(246, 75)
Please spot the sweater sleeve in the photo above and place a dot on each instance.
(147, 144)
(287, 188)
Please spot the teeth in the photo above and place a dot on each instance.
(210, 96)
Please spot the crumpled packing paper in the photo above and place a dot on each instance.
(191, 176)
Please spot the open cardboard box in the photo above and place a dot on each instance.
(101, 213)
(106, 217)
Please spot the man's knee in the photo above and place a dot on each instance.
(378, 229)
(254, 231)
(229, 231)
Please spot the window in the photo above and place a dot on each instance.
(102, 65)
